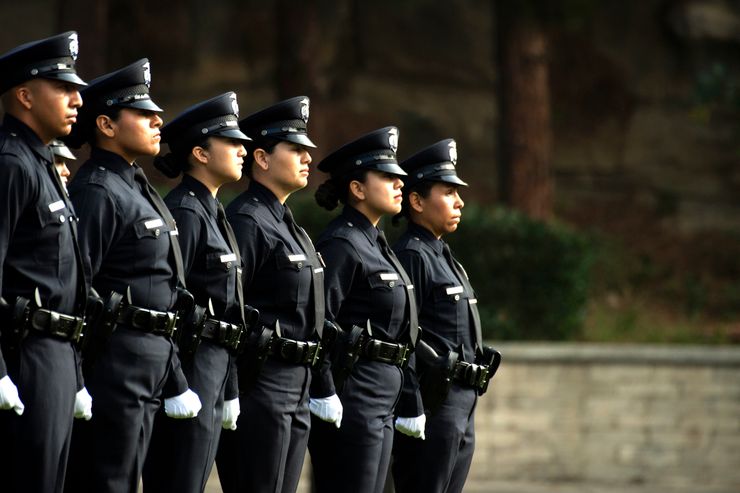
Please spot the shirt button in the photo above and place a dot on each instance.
(228, 265)
(101, 168)
(457, 297)
(300, 265)
(62, 218)
(391, 283)
(192, 194)
(157, 232)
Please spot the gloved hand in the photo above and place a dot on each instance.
(185, 405)
(83, 405)
(328, 409)
(9, 396)
(231, 413)
(413, 427)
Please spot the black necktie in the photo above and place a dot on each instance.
(156, 201)
(413, 314)
(317, 281)
(463, 278)
(228, 233)
(81, 300)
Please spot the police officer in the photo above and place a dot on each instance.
(283, 280)
(208, 147)
(368, 295)
(448, 314)
(62, 154)
(130, 239)
(41, 273)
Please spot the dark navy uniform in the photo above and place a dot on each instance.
(266, 452)
(362, 287)
(182, 452)
(128, 243)
(440, 463)
(37, 250)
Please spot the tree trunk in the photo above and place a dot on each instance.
(526, 132)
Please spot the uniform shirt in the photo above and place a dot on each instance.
(36, 242)
(444, 313)
(277, 272)
(210, 265)
(121, 233)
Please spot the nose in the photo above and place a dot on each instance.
(397, 183)
(76, 99)
(241, 152)
(307, 157)
(156, 121)
(459, 201)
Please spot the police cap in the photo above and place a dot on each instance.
(434, 163)
(375, 151)
(125, 88)
(49, 58)
(59, 149)
(217, 117)
(285, 120)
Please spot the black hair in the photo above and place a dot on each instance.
(83, 132)
(336, 190)
(178, 159)
(423, 188)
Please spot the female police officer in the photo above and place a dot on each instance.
(129, 238)
(368, 295)
(448, 313)
(207, 146)
(283, 280)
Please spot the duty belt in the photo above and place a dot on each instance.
(385, 352)
(470, 375)
(157, 323)
(296, 352)
(222, 333)
(57, 324)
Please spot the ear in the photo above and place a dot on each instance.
(106, 126)
(416, 202)
(24, 96)
(262, 158)
(200, 154)
(357, 189)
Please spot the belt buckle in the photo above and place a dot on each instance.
(163, 322)
(315, 357)
(289, 349)
(482, 377)
(77, 332)
(229, 334)
(403, 353)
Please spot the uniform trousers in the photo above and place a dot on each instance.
(182, 451)
(34, 447)
(126, 385)
(265, 453)
(356, 457)
(439, 464)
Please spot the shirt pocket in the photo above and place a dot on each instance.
(385, 281)
(152, 244)
(293, 279)
(51, 217)
(451, 305)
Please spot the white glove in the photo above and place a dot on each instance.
(9, 396)
(185, 405)
(328, 409)
(83, 405)
(413, 427)
(231, 413)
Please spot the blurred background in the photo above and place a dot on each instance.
(601, 141)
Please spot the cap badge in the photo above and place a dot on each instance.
(74, 46)
(234, 104)
(453, 152)
(304, 109)
(393, 139)
(147, 72)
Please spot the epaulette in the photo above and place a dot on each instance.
(188, 200)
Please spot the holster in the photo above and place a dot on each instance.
(101, 323)
(189, 330)
(491, 359)
(256, 346)
(329, 338)
(346, 353)
(435, 375)
(15, 316)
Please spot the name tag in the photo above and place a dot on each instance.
(472, 301)
(389, 276)
(55, 206)
(297, 258)
(229, 257)
(318, 270)
(455, 290)
(154, 223)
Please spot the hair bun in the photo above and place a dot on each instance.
(327, 196)
(168, 165)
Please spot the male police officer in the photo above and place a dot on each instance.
(41, 275)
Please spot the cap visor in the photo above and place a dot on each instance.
(392, 168)
(301, 139)
(142, 104)
(70, 77)
(450, 179)
(63, 152)
(231, 133)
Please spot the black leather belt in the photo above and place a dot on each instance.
(158, 323)
(470, 375)
(57, 324)
(385, 352)
(222, 333)
(296, 352)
